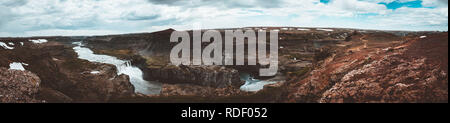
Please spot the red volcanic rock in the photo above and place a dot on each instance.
(414, 71)
(18, 86)
(386, 81)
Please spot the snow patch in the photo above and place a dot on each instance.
(39, 41)
(300, 29)
(17, 66)
(95, 72)
(21, 43)
(11, 43)
(6, 46)
(328, 30)
(25, 64)
(423, 36)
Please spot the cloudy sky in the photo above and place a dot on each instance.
(97, 17)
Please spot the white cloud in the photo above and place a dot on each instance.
(357, 6)
(435, 3)
(88, 17)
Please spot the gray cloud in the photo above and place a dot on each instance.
(5, 10)
(135, 17)
(221, 3)
(13, 3)
(444, 2)
(22, 17)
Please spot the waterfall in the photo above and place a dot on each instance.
(252, 84)
(123, 67)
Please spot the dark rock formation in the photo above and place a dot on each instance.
(148, 44)
(211, 76)
(194, 90)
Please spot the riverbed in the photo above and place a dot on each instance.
(123, 67)
(254, 85)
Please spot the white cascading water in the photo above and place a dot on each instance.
(123, 67)
(252, 84)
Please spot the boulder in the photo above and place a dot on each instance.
(18, 86)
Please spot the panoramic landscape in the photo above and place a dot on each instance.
(63, 61)
(315, 65)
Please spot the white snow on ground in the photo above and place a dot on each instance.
(423, 36)
(284, 28)
(17, 66)
(300, 29)
(276, 30)
(6, 46)
(328, 30)
(39, 41)
(95, 72)
(21, 43)
(11, 43)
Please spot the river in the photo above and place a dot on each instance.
(123, 67)
(253, 85)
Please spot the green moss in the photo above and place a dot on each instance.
(300, 72)
(156, 61)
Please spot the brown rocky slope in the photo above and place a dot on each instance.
(64, 77)
(18, 86)
(411, 70)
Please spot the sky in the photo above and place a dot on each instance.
(20, 18)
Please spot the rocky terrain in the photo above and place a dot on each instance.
(409, 70)
(18, 86)
(316, 65)
(63, 77)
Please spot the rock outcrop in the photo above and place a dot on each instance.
(18, 86)
(200, 91)
(210, 76)
(412, 71)
(392, 80)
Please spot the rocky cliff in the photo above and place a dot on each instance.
(211, 76)
(409, 70)
(63, 77)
